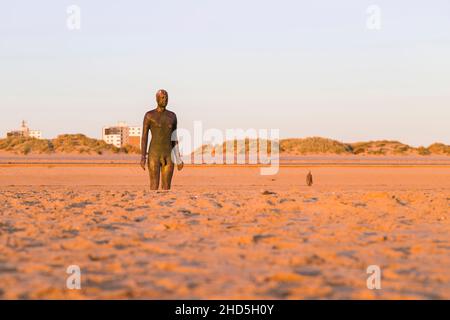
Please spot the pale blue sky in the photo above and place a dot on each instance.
(309, 68)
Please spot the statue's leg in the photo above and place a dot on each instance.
(154, 166)
(166, 173)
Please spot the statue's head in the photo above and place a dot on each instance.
(162, 98)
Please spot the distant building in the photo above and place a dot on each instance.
(35, 134)
(134, 136)
(122, 135)
(113, 135)
(25, 131)
(14, 134)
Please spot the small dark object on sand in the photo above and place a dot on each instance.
(309, 179)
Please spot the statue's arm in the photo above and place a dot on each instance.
(144, 142)
(175, 148)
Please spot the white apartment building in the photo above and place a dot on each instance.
(135, 136)
(135, 131)
(35, 134)
(25, 131)
(122, 135)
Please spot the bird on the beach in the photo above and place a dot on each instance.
(309, 179)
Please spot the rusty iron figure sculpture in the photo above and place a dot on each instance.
(163, 124)
(309, 179)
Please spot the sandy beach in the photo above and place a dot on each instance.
(225, 232)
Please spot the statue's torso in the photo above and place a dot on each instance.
(162, 124)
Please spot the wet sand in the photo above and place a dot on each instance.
(225, 232)
(285, 159)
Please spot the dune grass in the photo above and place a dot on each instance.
(67, 143)
(81, 144)
(319, 145)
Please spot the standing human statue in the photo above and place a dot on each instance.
(163, 150)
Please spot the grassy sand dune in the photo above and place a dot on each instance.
(81, 144)
(66, 143)
(324, 146)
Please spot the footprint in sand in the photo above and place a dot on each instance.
(168, 203)
(307, 271)
(69, 233)
(188, 213)
(31, 203)
(31, 243)
(286, 200)
(310, 200)
(406, 251)
(109, 227)
(315, 260)
(9, 228)
(7, 268)
(103, 241)
(258, 237)
(400, 202)
(216, 204)
(78, 205)
(140, 219)
(281, 291)
(106, 285)
(408, 222)
(359, 204)
(98, 257)
(348, 254)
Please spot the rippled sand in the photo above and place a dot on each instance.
(225, 233)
